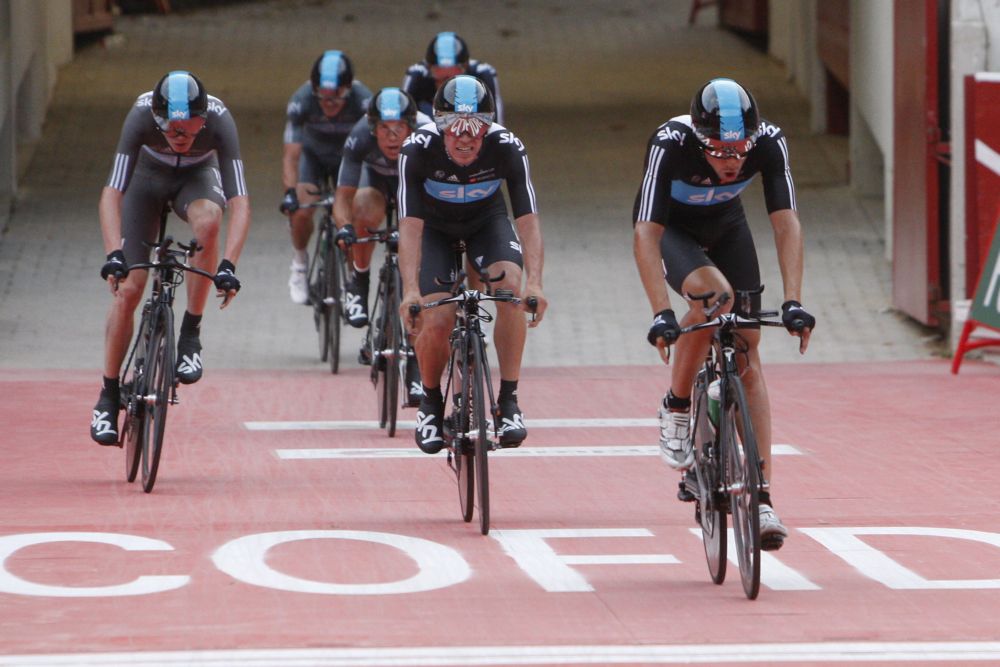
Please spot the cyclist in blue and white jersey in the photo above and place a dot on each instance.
(320, 116)
(450, 177)
(367, 181)
(690, 228)
(179, 148)
(448, 56)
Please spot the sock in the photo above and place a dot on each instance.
(301, 257)
(433, 394)
(191, 324)
(508, 390)
(111, 388)
(764, 498)
(677, 404)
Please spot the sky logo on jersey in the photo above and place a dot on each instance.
(730, 110)
(466, 100)
(177, 96)
(329, 69)
(388, 104)
(446, 49)
(705, 195)
(461, 194)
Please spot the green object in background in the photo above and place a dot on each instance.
(985, 307)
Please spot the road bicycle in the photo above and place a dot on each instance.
(149, 382)
(726, 477)
(386, 346)
(470, 426)
(327, 280)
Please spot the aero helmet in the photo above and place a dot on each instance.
(724, 112)
(331, 70)
(447, 50)
(392, 104)
(179, 95)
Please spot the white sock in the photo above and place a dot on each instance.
(301, 257)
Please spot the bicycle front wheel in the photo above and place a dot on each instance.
(461, 447)
(393, 337)
(334, 264)
(133, 389)
(710, 508)
(478, 430)
(742, 479)
(159, 383)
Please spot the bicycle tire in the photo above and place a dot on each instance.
(159, 383)
(379, 347)
(335, 276)
(742, 470)
(394, 343)
(133, 387)
(710, 508)
(317, 295)
(481, 445)
(463, 452)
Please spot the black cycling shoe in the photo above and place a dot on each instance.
(189, 366)
(414, 387)
(510, 427)
(104, 421)
(429, 431)
(364, 356)
(356, 300)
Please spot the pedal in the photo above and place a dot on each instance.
(771, 542)
(684, 494)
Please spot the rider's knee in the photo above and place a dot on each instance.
(205, 218)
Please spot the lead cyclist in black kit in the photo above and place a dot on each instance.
(178, 147)
(691, 229)
(450, 173)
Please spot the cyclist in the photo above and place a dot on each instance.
(447, 56)
(320, 116)
(690, 228)
(450, 174)
(367, 181)
(185, 154)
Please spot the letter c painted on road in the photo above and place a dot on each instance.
(244, 559)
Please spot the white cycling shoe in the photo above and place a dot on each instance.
(675, 439)
(772, 531)
(298, 290)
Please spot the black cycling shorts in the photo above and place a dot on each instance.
(317, 171)
(386, 185)
(155, 186)
(726, 244)
(492, 239)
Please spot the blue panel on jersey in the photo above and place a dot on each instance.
(466, 98)
(388, 104)
(177, 96)
(458, 193)
(730, 110)
(445, 49)
(329, 69)
(705, 195)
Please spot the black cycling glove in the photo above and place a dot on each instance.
(225, 277)
(346, 235)
(795, 318)
(290, 202)
(115, 266)
(664, 326)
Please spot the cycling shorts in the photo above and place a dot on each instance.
(386, 185)
(317, 171)
(156, 186)
(726, 244)
(492, 239)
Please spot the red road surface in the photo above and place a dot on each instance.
(379, 558)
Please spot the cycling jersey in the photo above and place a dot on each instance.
(361, 150)
(678, 181)
(419, 83)
(448, 196)
(321, 136)
(217, 145)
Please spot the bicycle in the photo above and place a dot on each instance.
(386, 346)
(467, 434)
(327, 282)
(727, 474)
(149, 382)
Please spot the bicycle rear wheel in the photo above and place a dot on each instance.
(393, 343)
(478, 429)
(133, 389)
(462, 448)
(159, 383)
(710, 506)
(742, 474)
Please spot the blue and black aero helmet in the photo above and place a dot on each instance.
(464, 94)
(179, 95)
(331, 70)
(447, 50)
(724, 112)
(392, 104)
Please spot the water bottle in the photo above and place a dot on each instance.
(714, 393)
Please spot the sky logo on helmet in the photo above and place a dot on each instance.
(446, 49)
(388, 104)
(731, 135)
(177, 95)
(329, 69)
(730, 109)
(466, 95)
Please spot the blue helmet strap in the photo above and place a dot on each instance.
(329, 69)
(466, 95)
(730, 110)
(178, 107)
(446, 49)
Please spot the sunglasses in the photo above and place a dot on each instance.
(724, 150)
(175, 131)
(336, 97)
(474, 124)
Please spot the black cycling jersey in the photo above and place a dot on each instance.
(678, 181)
(448, 196)
(323, 137)
(419, 83)
(218, 140)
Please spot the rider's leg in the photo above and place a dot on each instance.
(205, 218)
(301, 222)
(368, 213)
(511, 328)
(120, 321)
(752, 377)
(690, 349)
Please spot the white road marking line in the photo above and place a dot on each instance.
(414, 453)
(348, 425)
(916, 652)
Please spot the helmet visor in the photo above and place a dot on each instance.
(726, 149)
(458, 124)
